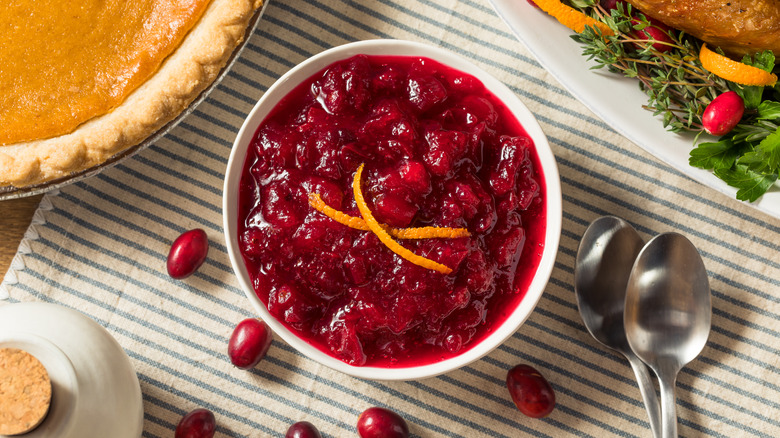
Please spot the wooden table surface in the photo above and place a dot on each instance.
(15, 217)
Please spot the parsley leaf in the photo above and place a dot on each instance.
(753, 95)
(721, 154)
(766, 156)
(764, 60)
(751, 184)
(769, 110)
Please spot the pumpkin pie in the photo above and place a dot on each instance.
(82, 80)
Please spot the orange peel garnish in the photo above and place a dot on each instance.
(344, 219)
(429, 233)
(572, 18)
(400, 233)
(734, 71)
(383, 235)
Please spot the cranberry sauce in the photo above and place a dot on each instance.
(439, 150)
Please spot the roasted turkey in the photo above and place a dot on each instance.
(736, 26)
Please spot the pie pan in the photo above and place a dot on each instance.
(13, 192)
(550, 178)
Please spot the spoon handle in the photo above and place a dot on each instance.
(668, 404)
(648, 393)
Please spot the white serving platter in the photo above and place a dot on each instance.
(616, 100)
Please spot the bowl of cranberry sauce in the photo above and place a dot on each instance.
(391, 210)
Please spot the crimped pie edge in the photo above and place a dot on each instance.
(180, 79)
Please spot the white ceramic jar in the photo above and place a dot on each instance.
(95, 391)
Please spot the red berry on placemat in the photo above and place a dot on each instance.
(187, 253)
(302, 429)
(249, 343)
(530, 391)
(199, 423)
(379, 422)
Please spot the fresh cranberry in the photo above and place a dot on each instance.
(199, 423)
(187, 254)
(249, 343)
(610, 5)
(379, 422)
(723, 113)
(656, 31)
(302, 429)
(530, 391)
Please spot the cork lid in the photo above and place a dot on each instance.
(25, 392)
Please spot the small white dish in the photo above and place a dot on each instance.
(306, 69)
(95, 391)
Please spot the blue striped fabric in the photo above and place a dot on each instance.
(100, 246)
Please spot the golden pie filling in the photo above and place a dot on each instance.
(66, 61)
(81, 81)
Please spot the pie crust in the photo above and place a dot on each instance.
(180, 79)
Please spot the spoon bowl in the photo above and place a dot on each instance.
(668, 313)
(605, 257)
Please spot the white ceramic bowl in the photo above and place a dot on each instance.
(95, 391)
(394, 48)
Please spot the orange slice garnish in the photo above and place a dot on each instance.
(401, 233)
(383, 235)
(570, 17)
(734, 71)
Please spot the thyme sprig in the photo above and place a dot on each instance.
(677, 86)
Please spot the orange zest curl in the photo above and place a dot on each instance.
(734, 71)
(344, 219)
(572, 18)
(429, 233)
(400, 233)
(383, 235)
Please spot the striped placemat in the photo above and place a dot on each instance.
(100, 246)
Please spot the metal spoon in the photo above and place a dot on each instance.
(668, 313)
(604, 259)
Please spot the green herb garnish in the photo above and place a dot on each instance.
(679, 90)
